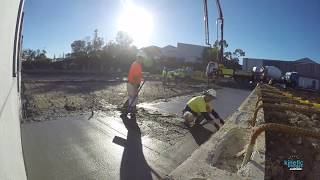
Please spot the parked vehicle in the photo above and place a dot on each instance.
(266, 74)
(212, 69)
(291, 79)
(272, 73)
(294, 80)
(241, 75)
(180, 73)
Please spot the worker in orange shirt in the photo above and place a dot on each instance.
(134, 80)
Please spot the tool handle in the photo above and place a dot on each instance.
(135, 97)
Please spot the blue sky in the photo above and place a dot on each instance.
(285, 29)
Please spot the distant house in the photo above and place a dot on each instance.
(183, 52)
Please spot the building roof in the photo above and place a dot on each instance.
(153, 51)
(302, 60)
(152, 46)
(169, 46)
(305, 60)
(194, 45)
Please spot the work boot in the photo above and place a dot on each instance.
(133, 116)
(198, 120)
(217, 126)
(133, 112)
(123, 115)
(186, 123)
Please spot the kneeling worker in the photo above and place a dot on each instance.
(199, 108)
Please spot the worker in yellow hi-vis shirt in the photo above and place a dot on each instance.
(199, 108)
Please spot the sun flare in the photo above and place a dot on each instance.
(137, 22)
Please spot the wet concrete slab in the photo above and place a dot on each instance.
(78, 148)
(227, 101)
(217, 158)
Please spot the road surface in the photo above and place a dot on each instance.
(111, 147)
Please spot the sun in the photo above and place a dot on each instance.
(137, 22)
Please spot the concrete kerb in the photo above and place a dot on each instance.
(204, 163)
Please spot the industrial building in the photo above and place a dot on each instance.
(183, 52)
(308, 69)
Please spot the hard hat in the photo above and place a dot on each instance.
(141, 54)
(210, 92)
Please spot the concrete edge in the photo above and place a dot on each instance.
(197, 165)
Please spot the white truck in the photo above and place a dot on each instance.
(266, 73)
(11, 156)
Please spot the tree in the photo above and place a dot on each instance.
(228, 55)
(238, 53)
(123, 39)
(41, 55)
(28, 54)
(34, 55)
(97, 42)
(218, 44)
(231, 60)
(210, 54)
(79, 48)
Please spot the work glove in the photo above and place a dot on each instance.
(221, 121)
(217, 126)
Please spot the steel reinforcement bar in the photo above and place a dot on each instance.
(275, 107)
(294, 131)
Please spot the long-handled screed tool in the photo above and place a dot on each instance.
(135, 97)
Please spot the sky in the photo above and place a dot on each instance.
(269, 29)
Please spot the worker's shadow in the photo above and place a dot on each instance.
(200, 133)
(133, 163)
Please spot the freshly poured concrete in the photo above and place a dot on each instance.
(216, 159)
(82, 149)
(102, 148)
(226, 102)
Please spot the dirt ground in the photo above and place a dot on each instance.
(51, 98)
(46, 99)
(281, 146)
